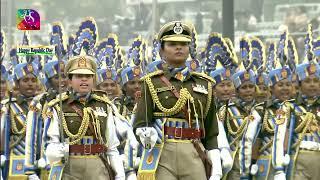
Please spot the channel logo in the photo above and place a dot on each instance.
(28, 19)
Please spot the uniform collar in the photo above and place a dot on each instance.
(22, 99)
(246, 106)
(74, 96)
(170, 74)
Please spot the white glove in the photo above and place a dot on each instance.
(280, 176)
(286, 160)
(117, 166)
(216, 171)
(254, 169)
(137, 163)
(148, 135)
(56, 151)
(42, 163)
(132, 176)
(33, 177)
(226, 158)
(3, 159)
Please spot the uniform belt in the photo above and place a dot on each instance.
(183, 133)
(87, 149)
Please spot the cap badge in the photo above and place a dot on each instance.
(177, 28)
(136, 71)
(109, 74)
(193, 65)
(246, 76)
(284, 73)
(82, 63)
(228, 73)
(312, 68)
(61, 66)
(30, 67)
(260, 80)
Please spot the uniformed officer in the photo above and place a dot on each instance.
(107, 55)
(261, 167)
(307, 148)
(87, 124)
(34, 158)
(302, 121)
(175, 111)
(224, 90)
(14, 117)
(108, 80)
(278, 118)
(130, 76)
(35, 161)
(242, 118)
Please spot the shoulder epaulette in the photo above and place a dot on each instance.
(57, 99)
(158, 72)
(101, 98)
(203, 76)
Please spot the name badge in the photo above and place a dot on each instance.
(200, 89)
(165, 88)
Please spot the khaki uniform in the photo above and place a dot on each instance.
(179, 159)
(306, 154)
(87, 126)
(85, 164)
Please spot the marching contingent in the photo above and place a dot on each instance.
(93, 111)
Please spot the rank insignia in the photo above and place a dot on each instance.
(82, 63)
(30, 67)
(200, 89)
(177, 28)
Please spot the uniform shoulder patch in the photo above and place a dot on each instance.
(57, 99)
(149, 75)
(203, 76)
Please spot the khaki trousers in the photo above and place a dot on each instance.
(307, 166)
(85, 168)
(180, 161)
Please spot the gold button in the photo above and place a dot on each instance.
(166, 97)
